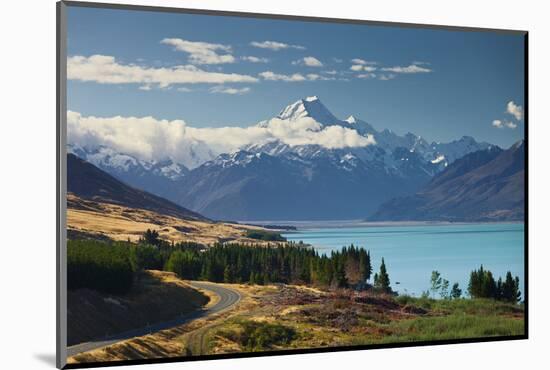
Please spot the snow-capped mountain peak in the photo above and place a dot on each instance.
(310, 107)
(351, 120)
(311, 98)
(387, 141)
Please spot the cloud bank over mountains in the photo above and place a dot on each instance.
(153, 139)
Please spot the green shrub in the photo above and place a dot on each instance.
(256, 336)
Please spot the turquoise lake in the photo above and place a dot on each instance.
(411, 252)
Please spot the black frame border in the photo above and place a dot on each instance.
(61, 87)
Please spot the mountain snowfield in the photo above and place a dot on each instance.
(304, 157)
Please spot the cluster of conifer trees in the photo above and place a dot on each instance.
(483, 285)
(111, 266)
(238, 263)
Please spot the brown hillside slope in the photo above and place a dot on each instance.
(99, 220)
(156, 297)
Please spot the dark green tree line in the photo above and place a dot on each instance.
(483, 285)
(240, 263)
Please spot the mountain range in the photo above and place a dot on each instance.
(486, 185)
(277, 181)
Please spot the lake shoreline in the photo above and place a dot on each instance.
(412, 250)
(321, 224)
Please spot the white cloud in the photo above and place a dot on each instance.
(306, 131)
(366, 75)
(413, 68)
(202, 52)
(150, 138)
(337, 60)
(145, 87)
(317, 77)
(497, 123)
(275, 45)
(358, 61)
(296, 77)
(504, 124)
(515, 110)
(229, 90)
(314, 76)
(184, 89)
(309, 62)
(331, 72)
(271, 76)
(360, 67)
(144, 137)
(511, 125)
(106, 70)
(253, 59)
(363, 62)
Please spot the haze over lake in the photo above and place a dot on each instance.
(412, 251)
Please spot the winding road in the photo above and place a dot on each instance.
(227, 299)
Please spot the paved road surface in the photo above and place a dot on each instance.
(228, 298)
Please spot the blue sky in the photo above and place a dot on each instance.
(463, 80)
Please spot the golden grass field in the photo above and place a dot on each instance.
(176, 341)
(321, 319)
(122, 223)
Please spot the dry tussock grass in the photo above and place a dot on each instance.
(122, 223)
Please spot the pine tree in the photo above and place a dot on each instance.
(151, 237)
(483, 285)
(510, 288)
(382, 279)
(339, 278)
(365, 268)
(228, 274)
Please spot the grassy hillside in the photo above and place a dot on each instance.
(100, 206)
(294, 318)
(278, 317)
(101, 220)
